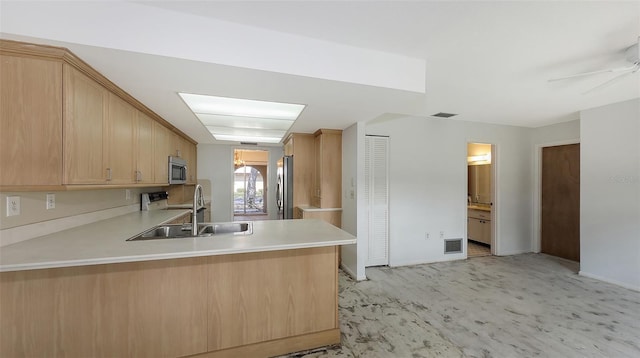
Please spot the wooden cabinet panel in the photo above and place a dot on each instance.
(277, 301)
(142, 309)
(120, 141)
(479, 226)
(161, 145)
(288, 146)
(176, 144)
(191, 156)
(62, 123)
(30, 121)
(145, 150)
(259, 297)
(84, 117)
(328, 164)
(301, 147)
(316, 197)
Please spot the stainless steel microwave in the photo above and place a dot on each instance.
(177, 170)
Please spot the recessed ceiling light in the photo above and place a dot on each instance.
(444, 115)
(236, 119)
(235, 138)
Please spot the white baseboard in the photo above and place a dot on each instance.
(351, 273)
(517, 252)
(607, 280)
(27, 232)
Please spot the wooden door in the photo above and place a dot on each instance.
(84, 114)
(560, 217)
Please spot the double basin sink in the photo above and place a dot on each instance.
(179, 231)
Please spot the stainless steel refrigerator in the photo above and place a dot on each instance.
(284, 188)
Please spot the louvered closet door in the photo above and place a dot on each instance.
(377, 197)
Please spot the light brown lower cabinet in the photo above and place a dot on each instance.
(249, 305)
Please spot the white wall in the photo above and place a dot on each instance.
(547, 136)
(610, 193)
(428, 185)
(353, 256)
(279, 51)
(215, 162)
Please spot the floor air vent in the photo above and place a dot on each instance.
(453, 246)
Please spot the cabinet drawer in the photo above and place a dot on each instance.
(479, 214)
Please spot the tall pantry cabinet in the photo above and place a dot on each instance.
(317, 175)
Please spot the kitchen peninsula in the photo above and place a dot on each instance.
(88, 292)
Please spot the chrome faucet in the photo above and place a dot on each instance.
(198, 200)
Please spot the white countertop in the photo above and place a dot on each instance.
(315, 208)
(479, 207)
(105, 242)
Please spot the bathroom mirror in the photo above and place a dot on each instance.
(479, 183)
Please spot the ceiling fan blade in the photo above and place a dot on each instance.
(613, 80)
(619, 69)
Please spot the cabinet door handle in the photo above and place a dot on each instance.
(138, 175)
(108, 174)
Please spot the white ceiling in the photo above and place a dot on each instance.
(349, 61)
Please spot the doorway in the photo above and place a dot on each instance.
(480, 194)
(560, 201)
(249, 184)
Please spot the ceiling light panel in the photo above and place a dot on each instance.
(243, 122)
(237, 119)
(241, 107)
(247, 139)
(247, 132)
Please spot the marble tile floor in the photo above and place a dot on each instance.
(529, 305)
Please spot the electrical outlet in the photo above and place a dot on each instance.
(51, 201)
(13, 205)
(426, 235)
(442, 234)
(127, 194)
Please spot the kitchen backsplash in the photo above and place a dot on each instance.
(67, 204)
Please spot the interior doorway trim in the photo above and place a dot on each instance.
(495, 196)
(536, 243)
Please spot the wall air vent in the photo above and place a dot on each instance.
(248, 143)
(443, 115)
(453, 246)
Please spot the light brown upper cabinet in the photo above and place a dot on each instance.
(30, 121)
(99, 133)
(162, 150)
(144, 149)
(190, 155)
(177, 143)
(84, 127)
(328, 169)
(119, 141)
(64, 124)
